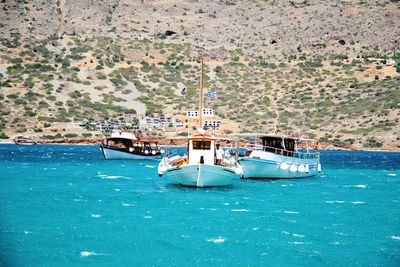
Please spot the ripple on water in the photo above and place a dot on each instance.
(290, 212)
(357, 202)
(335, 201)
(127, 204)
(357, 186)
(112, 177)
(217, 240)
(240, 210)
(89, 253)
(395, 237)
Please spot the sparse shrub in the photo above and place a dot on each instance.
(75, 94)
(3, 136)
(372, 142)
(70, 135)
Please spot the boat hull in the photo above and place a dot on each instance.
(117, 154)
(201, 175)
(272, 168)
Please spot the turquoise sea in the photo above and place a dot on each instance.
(67, 206)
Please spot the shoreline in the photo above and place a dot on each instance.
(163, 142)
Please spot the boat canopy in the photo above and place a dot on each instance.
(284, 143)
(121, 134)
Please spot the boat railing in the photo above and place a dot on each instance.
(302, 154)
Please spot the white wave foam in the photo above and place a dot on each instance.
(127, 205)
(392, 174)
(285, 232)
(357, 202)
(240, 210)
(340, 233)
(290, 212)
(216, 240)
(296, 243)
(334, 243)
(111, 177)
(298, 235)
(357, 186)
(150, 166)
(89, 253)
(360, 186)
(334, 201)
(95, 215)
(255, 228)
(226, 204)
(117, 189)
(395, 237)
(148, 217)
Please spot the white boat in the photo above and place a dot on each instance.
(281, 158)
(24, 140)
(198, 168)
(125, 145)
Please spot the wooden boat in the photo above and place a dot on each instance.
(198, 168)
(23, 140)
(125, 145)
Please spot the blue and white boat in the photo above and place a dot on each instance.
(281, 157)
(198, 168)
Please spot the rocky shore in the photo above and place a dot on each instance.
(394, 147)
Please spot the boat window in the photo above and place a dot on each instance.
(202, 145)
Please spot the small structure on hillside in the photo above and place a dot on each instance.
(390, 62)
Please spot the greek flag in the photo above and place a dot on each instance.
(212, 94)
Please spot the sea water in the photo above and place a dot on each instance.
(67, 206)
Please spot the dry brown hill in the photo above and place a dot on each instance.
(318, 66)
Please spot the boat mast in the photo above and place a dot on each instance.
(201, 95)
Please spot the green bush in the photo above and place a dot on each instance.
(51, 137)
(3, 136)
(12, 96)
(183, 134)
(372, 142)
(70, 135)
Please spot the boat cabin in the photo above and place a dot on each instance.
(279, 145)
(201, 149)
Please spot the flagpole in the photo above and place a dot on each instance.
(201, 96)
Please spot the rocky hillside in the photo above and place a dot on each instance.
(278, 66)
